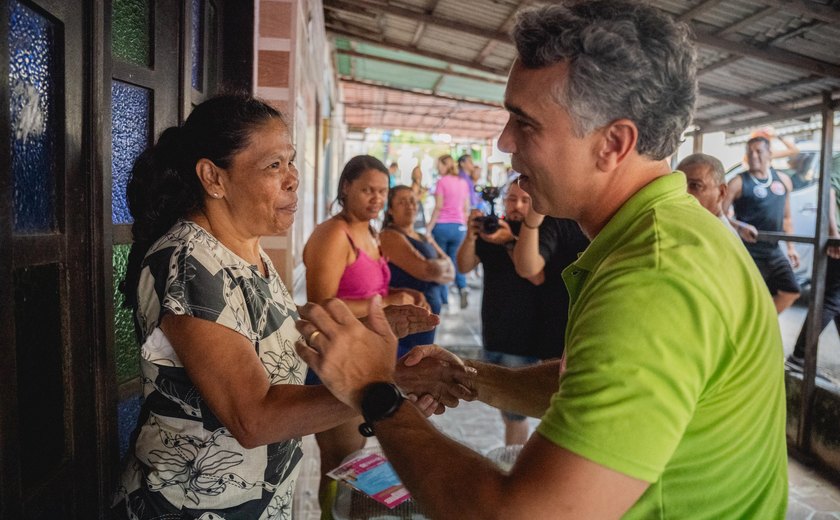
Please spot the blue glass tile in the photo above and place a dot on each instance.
(127, 413)
(34, 121)
(197, 45)
(130, 130)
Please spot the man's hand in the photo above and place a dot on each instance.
(501, 236)
(445, 378)
(533, 219)
(748, 232)
(793, 256)
(346, 354)
(473, 226)
(405, 320)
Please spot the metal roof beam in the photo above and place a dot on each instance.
(749, 20)
(699, 9)
(461, 117)
(772, 54)
(505, 28)
(417, 16)
(809, 110)
(783, 86)
(735, 99)
(823, 12)
(379, 40)
(449, 97)
(718, 64)
(421, 28)
(794, 32)
(438, 83)
(414, 103)
(429, 68)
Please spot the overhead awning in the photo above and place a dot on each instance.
(759, 61)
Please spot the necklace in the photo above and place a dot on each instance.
(760, 188)
(759, 183)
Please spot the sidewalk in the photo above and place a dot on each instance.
(811, 496)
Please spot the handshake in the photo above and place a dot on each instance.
(348, 354)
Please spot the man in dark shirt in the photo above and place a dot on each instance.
(761, 198)
(523, 320)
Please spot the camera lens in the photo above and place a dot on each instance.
(489, 224)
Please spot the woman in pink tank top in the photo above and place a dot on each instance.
(448, 223)
(343, 260)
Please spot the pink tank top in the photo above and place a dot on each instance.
(455, 193)
(365, 277)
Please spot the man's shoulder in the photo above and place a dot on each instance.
(675, 237)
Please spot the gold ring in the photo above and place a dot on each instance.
(312, 336)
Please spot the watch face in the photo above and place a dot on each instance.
(380, 400)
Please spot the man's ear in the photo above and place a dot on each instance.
(722, 189)
(618, 140)
(209, 176)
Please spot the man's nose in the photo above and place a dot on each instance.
(505, 142)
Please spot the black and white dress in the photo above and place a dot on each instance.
(183, 460)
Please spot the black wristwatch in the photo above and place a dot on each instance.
(379, 401)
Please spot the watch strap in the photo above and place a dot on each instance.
(379, 401)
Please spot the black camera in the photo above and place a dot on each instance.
(489, 223)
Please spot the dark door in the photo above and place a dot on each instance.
(47, 423)
(85, 85)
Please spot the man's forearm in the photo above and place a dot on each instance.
(526, 254)
(467, 485)
(526, 391)
(465, 257)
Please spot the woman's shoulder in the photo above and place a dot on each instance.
(329, 228)
(187, 243)
(329, 234)
(392, 236)
(182, 236)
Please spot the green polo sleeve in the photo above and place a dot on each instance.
(641, 346)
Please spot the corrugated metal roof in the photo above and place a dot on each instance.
(758, 59)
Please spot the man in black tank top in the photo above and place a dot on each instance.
(761, 199)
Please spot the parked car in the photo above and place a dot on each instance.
(804, 171)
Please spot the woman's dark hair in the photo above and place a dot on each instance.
(164, 186)
(388, 220)
(354, 169)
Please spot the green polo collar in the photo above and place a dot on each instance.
(666, 187)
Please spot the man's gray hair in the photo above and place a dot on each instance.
(702, 159)
(626, 60)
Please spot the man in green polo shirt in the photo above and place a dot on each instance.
(672, 403)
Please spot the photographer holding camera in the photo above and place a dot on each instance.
(523, 319)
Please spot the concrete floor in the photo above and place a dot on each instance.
(812, 496)
(828, 351)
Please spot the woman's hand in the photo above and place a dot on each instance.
(346, 354)
(408, 319)
(406, 297)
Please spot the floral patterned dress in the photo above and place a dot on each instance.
(184, 463)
